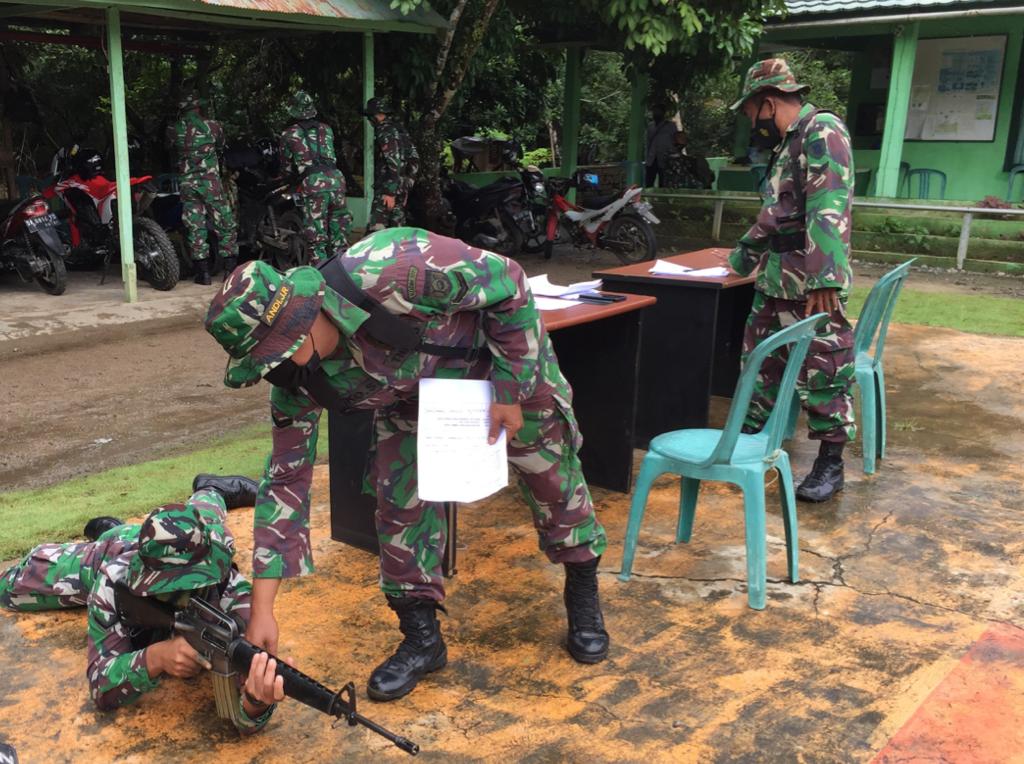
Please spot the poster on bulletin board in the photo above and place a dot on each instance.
(955, 91)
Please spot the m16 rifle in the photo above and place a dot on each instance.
(217, 637)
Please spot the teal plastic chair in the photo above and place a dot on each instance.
(734, 457)
(870, 332)
(924, 176)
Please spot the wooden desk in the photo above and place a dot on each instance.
(598, 348)
(690, 348)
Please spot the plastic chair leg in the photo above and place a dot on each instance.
(866, 383)
(788, 499)
(651, 467)
(687, 507)
(753, 510)
(881, 425)
(794, 416)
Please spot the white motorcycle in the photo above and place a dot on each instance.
(620, 223)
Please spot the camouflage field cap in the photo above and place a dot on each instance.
(301, 105)
(771, 73)
(176, 554)
(261, 316)
(377, 105)
(188, 102)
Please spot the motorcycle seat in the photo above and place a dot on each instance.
(597, 202)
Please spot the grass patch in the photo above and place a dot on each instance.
(981, 314)
(59, 512)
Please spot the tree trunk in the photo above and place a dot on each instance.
(468, 25)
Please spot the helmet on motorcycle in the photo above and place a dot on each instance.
(87, 163)
(377, 105)
(301, 105)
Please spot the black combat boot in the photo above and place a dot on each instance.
(228, 264)
(825, 479)
(202, 271)
(422, 651)
(100, 525)
(588, 641)
(237, 490)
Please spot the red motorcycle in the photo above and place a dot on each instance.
(92, 217)
(30, 246)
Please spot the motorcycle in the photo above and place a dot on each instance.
(488, 213)
(269, 223)
(620, 223)
(30, 245)
(90, 198)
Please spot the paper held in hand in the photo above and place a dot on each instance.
(454, 461)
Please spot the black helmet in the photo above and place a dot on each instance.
(87, 163)
(377, 105)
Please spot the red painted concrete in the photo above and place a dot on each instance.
(976, 714)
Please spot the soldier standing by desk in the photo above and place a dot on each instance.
(321, 338)
(800, 246)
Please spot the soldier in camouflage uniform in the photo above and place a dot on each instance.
(300, 335)
(800, 245)
(307, 145)
(395, 164)
(199, 142)
(179, 549)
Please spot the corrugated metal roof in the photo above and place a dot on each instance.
(871, 7)
(347, 10)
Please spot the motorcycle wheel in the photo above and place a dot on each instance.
(512, 242)
(537, 242)
(164, 272)
(633, 238)
(54, 280)
(296, 253)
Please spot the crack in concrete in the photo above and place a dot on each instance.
(819, 587)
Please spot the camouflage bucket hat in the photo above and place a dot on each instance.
(771, 73)
(301, 105)
(260, 317)
(188, 102)
(377, 105)
(176, 554)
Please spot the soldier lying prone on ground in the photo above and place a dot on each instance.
(178, 551)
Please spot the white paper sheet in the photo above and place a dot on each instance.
(454, 461)
(665, 268)
(542, 287)
(716, 271)
(554, 303)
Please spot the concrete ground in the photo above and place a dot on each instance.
(902, 642)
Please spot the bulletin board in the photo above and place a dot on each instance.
(955, 90)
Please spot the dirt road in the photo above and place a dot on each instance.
(126, 391)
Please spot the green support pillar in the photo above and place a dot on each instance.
(368, 77)
(571, 110)
(741, 138)
(903, 54)
(635, 147)
(124, 199)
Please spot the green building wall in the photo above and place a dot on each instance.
(973, 170)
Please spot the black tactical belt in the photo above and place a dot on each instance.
(787, 242)
(385, 327)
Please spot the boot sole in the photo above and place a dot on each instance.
(810, 500)
(404, 690)
(589, 659)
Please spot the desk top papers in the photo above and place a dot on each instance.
(665, 268)
(541, 287)
(454, 461)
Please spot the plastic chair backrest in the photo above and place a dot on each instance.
(873, 323)
(798, 337)
(924, 182)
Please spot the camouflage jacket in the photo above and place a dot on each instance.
(198, 143)
(464, 296)
(395, 157)
(808, 197)
(116, 653)
(308, 150)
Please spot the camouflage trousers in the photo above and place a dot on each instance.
(544, 456)
(824, 383)
(59, 576)
(326, 223)
(381, 216)
(204, 200)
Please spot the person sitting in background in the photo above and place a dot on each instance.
(683, 170)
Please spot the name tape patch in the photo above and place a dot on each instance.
(271, 313)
